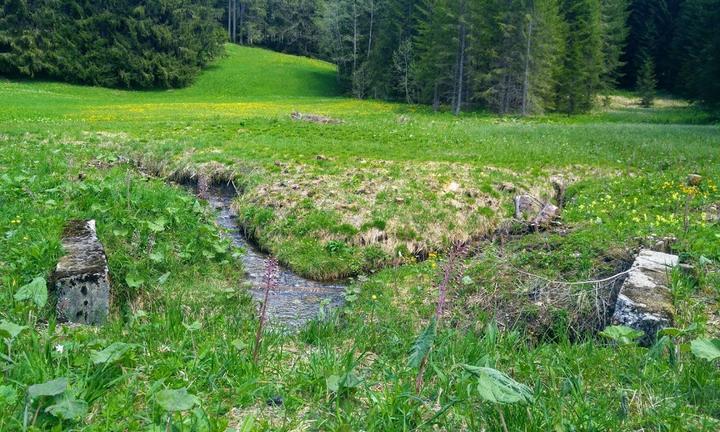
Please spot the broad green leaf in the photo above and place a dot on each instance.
(134, 280)
(10, 330)
(622, 334)
(36, 291)
(239, 345)
(8, 395)
(195, 326)
(336, 383)
(163, 278)
(248, 425)
(68, 409)
(423, 344)
(112, 353)
(157, 226)
(708, 349)
(50, 388)
(496, 387)
(176, 400)
(157, 257)
(333, 383)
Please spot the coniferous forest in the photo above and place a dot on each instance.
(510, 56)
(127, 43)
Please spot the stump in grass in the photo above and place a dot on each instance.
(81, 277)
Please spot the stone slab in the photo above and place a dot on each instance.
(81, 278)
(645, 301)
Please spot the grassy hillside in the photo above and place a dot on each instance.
(378, 196)
(254, 73)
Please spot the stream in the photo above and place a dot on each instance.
(296, 300)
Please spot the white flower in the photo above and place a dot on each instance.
(59, 348)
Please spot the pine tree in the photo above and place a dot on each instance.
(434, 56)
(523, 43)
(580, 77)
(697, 51)
(646, 82)
(614, 38)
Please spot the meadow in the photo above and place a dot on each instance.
(376, 198)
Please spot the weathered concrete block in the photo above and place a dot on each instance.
(81, 277)
(644, 301)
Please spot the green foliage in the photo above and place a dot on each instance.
(8, 395)
(54, 387)
(68, 408)
(646, 82)
(622, 334)
(708, 349)
(423, 344)
(173, 400)
(159, 43)
(697, 50)
(113, 353)
(496, 387)
(10, 330)
(35, 291)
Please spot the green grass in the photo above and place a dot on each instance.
(390, 184)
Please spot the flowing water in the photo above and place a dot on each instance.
(295, 300)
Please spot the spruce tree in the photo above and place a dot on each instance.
(646, 82)
(580, 77)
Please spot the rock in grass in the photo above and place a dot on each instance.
(644, 301)
(548, 213)
(694, 180)
(526, 207)
(81, 277)
(534, 211)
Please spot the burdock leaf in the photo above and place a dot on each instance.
(622, 334)
(176, 400)
(112, 353)
(192, 327)
(10, 330)
(68, 409)
(134, 280)
(496, 387)
(49, 388)
(333, 383)
(422, 344)
(35, 291)
(708, 349)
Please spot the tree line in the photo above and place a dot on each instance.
(511, 56)
(112, 43)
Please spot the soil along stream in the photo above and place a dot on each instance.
(295, 300)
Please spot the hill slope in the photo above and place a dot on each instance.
(254, 72)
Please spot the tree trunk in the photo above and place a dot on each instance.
(461, 63)
(355, 35)
(234, 21)
(243, 6)
(370, 33)
(436, 98)
(526, 81)
(228, 12)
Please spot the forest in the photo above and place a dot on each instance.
(507, 56)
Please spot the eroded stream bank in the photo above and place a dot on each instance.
(296, 300)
